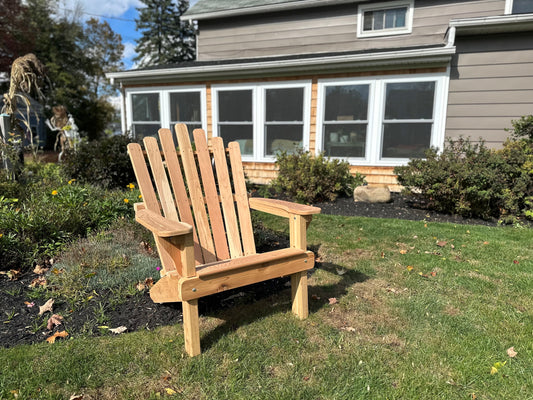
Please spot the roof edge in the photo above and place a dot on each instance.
(493, 24)
(262, 9)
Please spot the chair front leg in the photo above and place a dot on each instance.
(298, 236)
(191, 327)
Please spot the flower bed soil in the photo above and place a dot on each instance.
(21, 324)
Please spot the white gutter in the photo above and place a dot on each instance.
(431, 55)
(495, 24)
(285, 6)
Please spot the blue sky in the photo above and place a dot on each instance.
(120, 14)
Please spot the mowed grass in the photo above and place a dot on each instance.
(398, 310)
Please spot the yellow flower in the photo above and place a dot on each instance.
(131, 186)
(1, 234)
(140, 196)
(72, 180)
(126, 201)
(54, 192)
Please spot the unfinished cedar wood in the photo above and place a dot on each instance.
(210, 248)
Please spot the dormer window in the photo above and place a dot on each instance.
(519, 7)
(380, 19)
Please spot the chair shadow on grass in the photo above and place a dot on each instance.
(245, 305)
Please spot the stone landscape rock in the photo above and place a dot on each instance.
(372, 194)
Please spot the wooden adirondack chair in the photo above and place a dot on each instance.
(202, 226)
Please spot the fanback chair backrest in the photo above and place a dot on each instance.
(197, 187)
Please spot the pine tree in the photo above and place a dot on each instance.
(165, 39)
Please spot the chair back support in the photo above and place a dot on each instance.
(204, 187)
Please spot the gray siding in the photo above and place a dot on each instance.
(327, 29)
(491, 83)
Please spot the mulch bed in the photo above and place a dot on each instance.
(19, 319)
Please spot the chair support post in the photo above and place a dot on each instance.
(191, 327)
(298, 227)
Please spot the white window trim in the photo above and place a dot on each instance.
(258, 113)
(376, 111)
(509, 7)
(385, 6)
(164, 103)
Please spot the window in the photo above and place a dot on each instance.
(150, 109)
(346, 120)
(383, 120)
(146, 117)
(264, 118)
(519, 6)
(385, 18)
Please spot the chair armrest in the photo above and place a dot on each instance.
(281, 207)
(161, 226)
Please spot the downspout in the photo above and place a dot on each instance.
(123, 109)
(451, 36)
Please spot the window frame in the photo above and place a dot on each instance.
(376, 114)
(408, 28)
(509, 8)
(259, 113)
(164, 105)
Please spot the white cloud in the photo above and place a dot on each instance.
(129, 50)
(114, 8)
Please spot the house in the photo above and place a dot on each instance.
(372, 82)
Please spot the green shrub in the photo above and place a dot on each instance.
(102, 162)
(474, 181)
(51, 213)
(310, 179)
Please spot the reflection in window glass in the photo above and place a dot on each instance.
(145, 106)
(345, 120)
(409, 100)
(242, 134)
(406, 140)
(185, 107)
(142, 130)
(377, 20)
(284, 120)
(522, 6)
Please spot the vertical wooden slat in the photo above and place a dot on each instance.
(195, 192)
(226, 197)
(298, 236)
(211, 195)
(180, 192)
(160, 178)
(143, 177)
(241, 197)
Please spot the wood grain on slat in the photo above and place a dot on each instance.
(160, 178)
(195, 191)
(241, 197)
(143, 177)
(178, 185)
(226, 197)
(211, 195)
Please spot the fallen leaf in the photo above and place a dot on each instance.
(140, 286)
(515, 262)
(423, 275)
(433, 273)
(306, 378)
(496, 367)
(170, 391)
(333, 300)
(485, 242)
(119, 330)
(315, 297)
(382, 254)
(441, 243)
(403, 251)
(54, 320)
(15, 393)
(46, 307)
(511, 352)
(39, 269)
(409, 268)
(40, 281)
(76, 397)
(350, 329)
(53, 338)
(56, 271)
(12, 274)
(149, 282)
(28, 304)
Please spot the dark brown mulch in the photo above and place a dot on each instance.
(20, 323)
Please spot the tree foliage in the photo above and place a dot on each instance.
(165, 39)
(76, 56)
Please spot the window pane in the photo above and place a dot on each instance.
(400, 17)
(411, 100)
(185, 107)
(283, 138)
(284, 104)
(389, 19)
(345, 140)
(145, 106)
(368, 17)
(407, 140)
(522, 6)
(346, 103)
(142, 130)
(235, 105)
(242, 134)
(378, 20)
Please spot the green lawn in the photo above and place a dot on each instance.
(399, 310)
